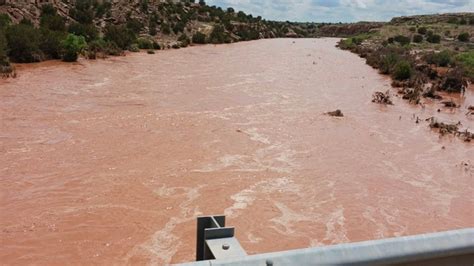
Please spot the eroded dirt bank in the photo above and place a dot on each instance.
(109, 162)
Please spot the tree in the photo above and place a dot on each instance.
(50, 19)
(72, 46)
(23, 43)
(88, 31)
(50, 43)
(120, 35)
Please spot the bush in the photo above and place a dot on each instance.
(199, 37)
(23, 43)
(144, 43)
(388, 62)
(165, 28)
(184, 40)
(464, 37)
(5, 21)
(466, 60)
(412, 29)
(50, 43)
(417, 38)
(134, 48)
(433, 38)
(422, 30)
(95, 47)
(120, 35)
(72, 46)
(152, 27)
(51, 20)
(134, 25)
(4, 62)
(442, 58)
(179, 27)
(402, 70)
(218, 35)
(88, 31)
(403, 40)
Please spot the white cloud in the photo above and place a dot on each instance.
(343, 10)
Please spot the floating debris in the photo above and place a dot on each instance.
(337, 113)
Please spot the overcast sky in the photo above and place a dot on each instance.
(343, 10)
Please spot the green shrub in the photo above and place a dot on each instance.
(179, 27)
(422, 30)
(199, 38)
(88, 31)
(403, 40)
(218, 35)
(5, 21)
(134, 48)
(453, 20)
(466, 60)
(417, 38)
(412, 29)
(23, 43)
(144, 43)
(111, 48)
(388, 62)
(433, 38)
(152, 27)
(50, 43)
(165, 28)
(402, 70)
(134, 25)
(442, 58)
(4, 62)
(72, 46)
(120, 35)
(96, 47)
(184, 40)
(464, 37)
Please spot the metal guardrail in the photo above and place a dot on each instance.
(443, 248)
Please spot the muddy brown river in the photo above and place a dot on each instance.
(110, 161)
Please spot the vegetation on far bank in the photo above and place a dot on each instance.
(101, 28)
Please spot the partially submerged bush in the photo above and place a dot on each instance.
(382, 98)
(442, 59)
(454, 81)
(72, 46)
(402, 70)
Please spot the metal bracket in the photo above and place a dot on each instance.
(215, 241)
